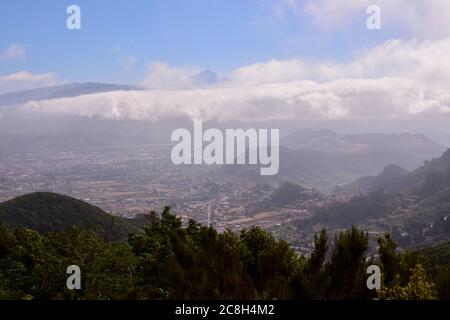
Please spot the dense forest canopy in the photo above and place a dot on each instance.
(166, 260)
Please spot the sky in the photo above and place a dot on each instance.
(118, 39)
(245, 59)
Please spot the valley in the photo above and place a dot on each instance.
(130, 180)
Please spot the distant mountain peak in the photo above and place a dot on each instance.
(61, 91)
(392, 171)
(446, 154)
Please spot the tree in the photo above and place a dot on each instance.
(389, 258)
(346, 266)
(319, 253)
(419, 287)
(317, 275)
(442, 280)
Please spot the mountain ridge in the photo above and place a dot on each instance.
(61, 91)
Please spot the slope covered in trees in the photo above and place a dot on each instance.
(50, 212)
(169, 261)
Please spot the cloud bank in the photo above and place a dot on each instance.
(337, 99)
(396, 79)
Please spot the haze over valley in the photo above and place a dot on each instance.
(123, 166)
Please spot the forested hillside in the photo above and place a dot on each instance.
(168, 261)
(50, 212)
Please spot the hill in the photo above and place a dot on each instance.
(289, 193)
(419, 213)
(309, 168)
(50, 212)
(367, 152)
(357, 210)
(62, 91)
(323, 159)
(368, 184)
(436, 256)
(430, 178)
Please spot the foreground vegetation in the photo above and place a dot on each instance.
(168, 261)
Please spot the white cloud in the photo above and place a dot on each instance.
(25, 80)
(162, 76)
(396, 79)
(14, 51)
(427, 18)
(345, 98)
(424, 60)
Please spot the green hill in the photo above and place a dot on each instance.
(49, 212)
(432, 177)
(436, 256)
(290, 193)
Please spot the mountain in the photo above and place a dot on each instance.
(367, 152)
(433, 176)
(289, 193)
(312, 168)
(51, 212)
(414, 206)
(305, 167)
(323, 159)
(324, 170)
(430, 178)
(357, 210)
(368, 184)
(62, 91)
(310, 139)
(436, 256)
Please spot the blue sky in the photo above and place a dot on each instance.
(119, 38)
